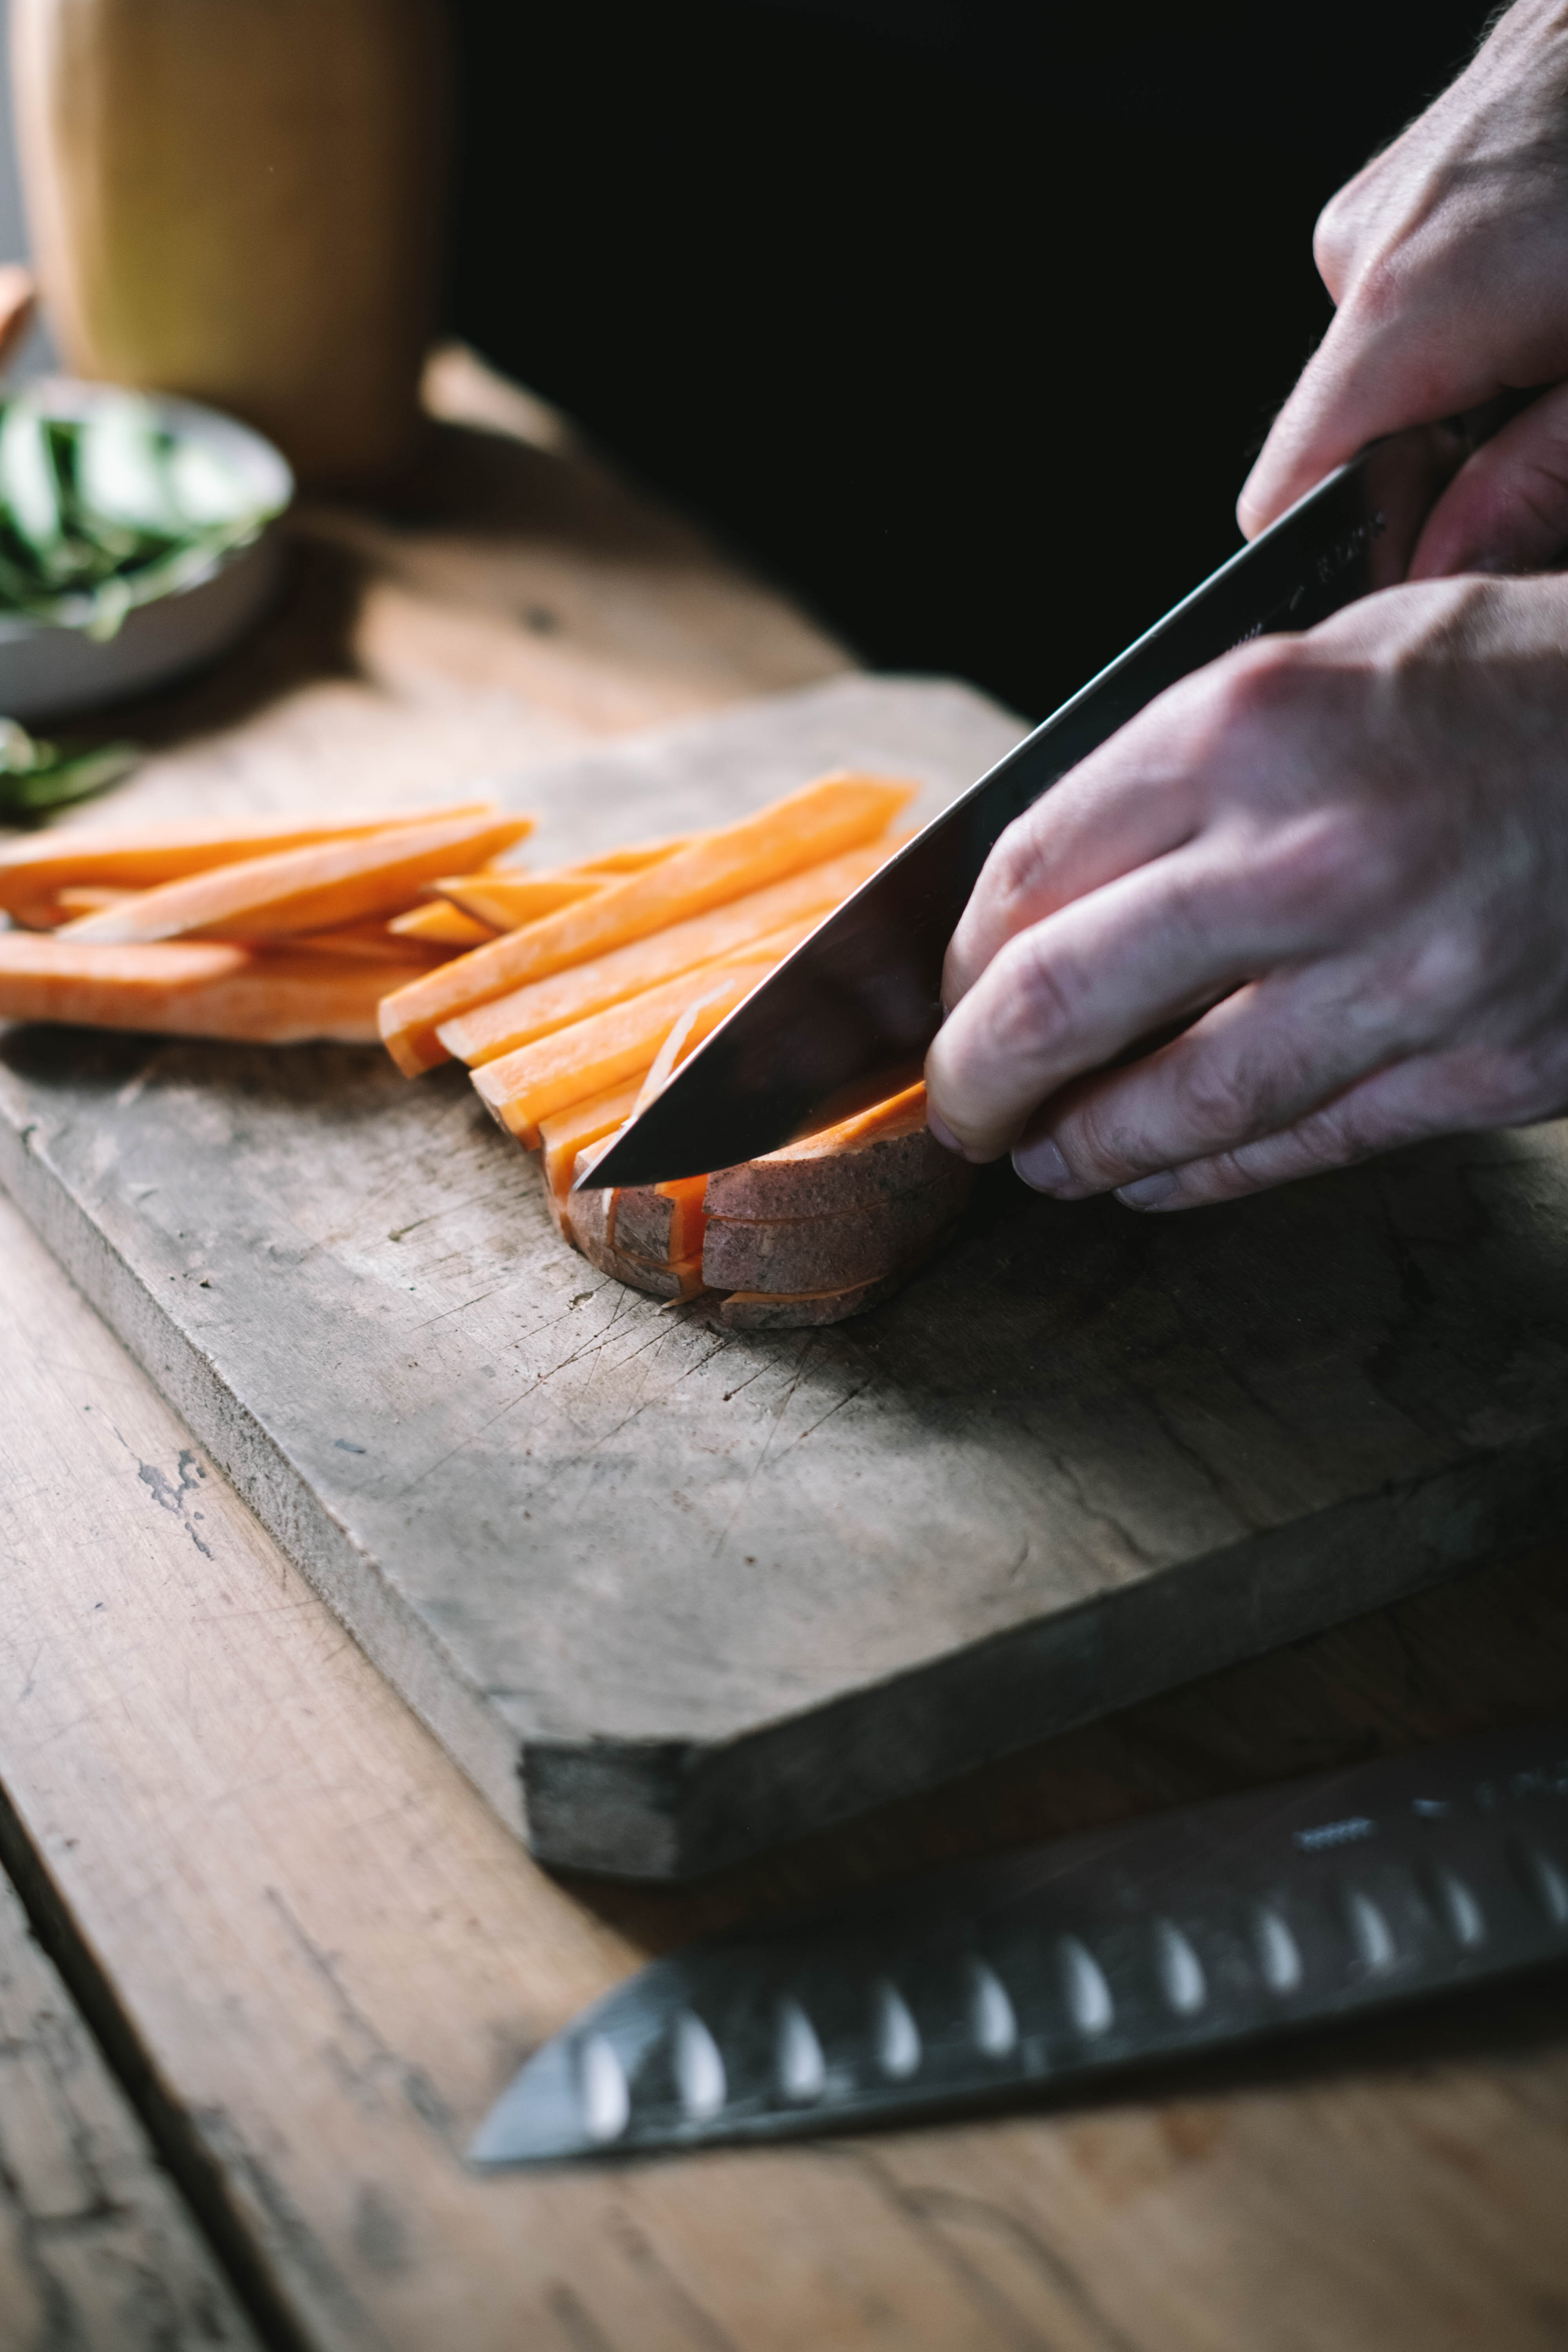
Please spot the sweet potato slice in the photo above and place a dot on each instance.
(504, 902)
(820, 822)
(189, 989)
(807, 1254)
(525, 1013)
(590, 1224)
(661, 1221)
(316, 888)
(592, 1056)
(442, 926)
(870, 1158)
(32, 870)
(570, 1131)
(762, 1310)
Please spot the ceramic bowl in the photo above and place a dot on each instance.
(47, 672)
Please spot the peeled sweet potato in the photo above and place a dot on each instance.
(190, 989)
(821, 821)
(516, 1019)
(36, 869)
(524, 1088)
(441, 925)
(317, 887)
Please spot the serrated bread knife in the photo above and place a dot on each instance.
(1218, 1924)
(846, 1019)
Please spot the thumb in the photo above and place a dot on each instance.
(1506, 508)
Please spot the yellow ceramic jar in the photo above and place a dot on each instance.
(240, 200)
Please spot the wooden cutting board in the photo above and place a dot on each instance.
(670, 1595)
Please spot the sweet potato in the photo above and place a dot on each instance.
(442, 926)
(592, 1056)
(761, 1310)
(820, 822)
(570, 1131)
(48, 914)
(34, 870)
(505, 902)
(371, 942)
(864, 1161)
(661, 1221)
(634, 857)
(525, 1013)
(797, 1254)
(189, 989)
(589, 1224)
(319, 888)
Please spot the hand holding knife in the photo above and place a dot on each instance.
(848, 1017)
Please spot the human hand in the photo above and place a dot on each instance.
(1448, 259)
(1357, 839)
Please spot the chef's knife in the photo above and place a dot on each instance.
(846, 1019)
(1219, 1924)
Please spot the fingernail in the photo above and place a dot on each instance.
(1039, 1163)
(1148, 1193)
(943, 1132)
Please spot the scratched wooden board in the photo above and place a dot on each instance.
(97, 2251)
(668, 1595)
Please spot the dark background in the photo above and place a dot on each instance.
(961, 320)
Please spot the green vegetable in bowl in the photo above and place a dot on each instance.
(35, 777)
(106, 509)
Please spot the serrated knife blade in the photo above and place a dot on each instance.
(847, 1018)
(1218, 1923)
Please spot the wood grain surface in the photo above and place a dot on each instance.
(669, 1593)
(315, 1955)
(98, 2252)
(325, 1955)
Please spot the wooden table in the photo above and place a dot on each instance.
(299, 1954)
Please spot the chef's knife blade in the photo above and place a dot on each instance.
(846, 1019)
(1218, 1924)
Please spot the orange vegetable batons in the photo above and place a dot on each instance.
(567, 1132)
(309, 889)
(525, 1014)
(140, 860)
(185, 988)
(441, 925)
(504, 902)
(604, 1051)
(821, 821)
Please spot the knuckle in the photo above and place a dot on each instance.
(1260, 686)
(1221, 1101)
(1097, 1144)
(1016, 870)
(1039, 998)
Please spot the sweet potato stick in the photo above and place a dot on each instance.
(441, 925)
(48, 914)
(191, 989)
(525, 1013)
(36, 869)
(506, 901)
(821, 821)
(311, 889)
(595, 1055)
(567, 1132)
(632, 859)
